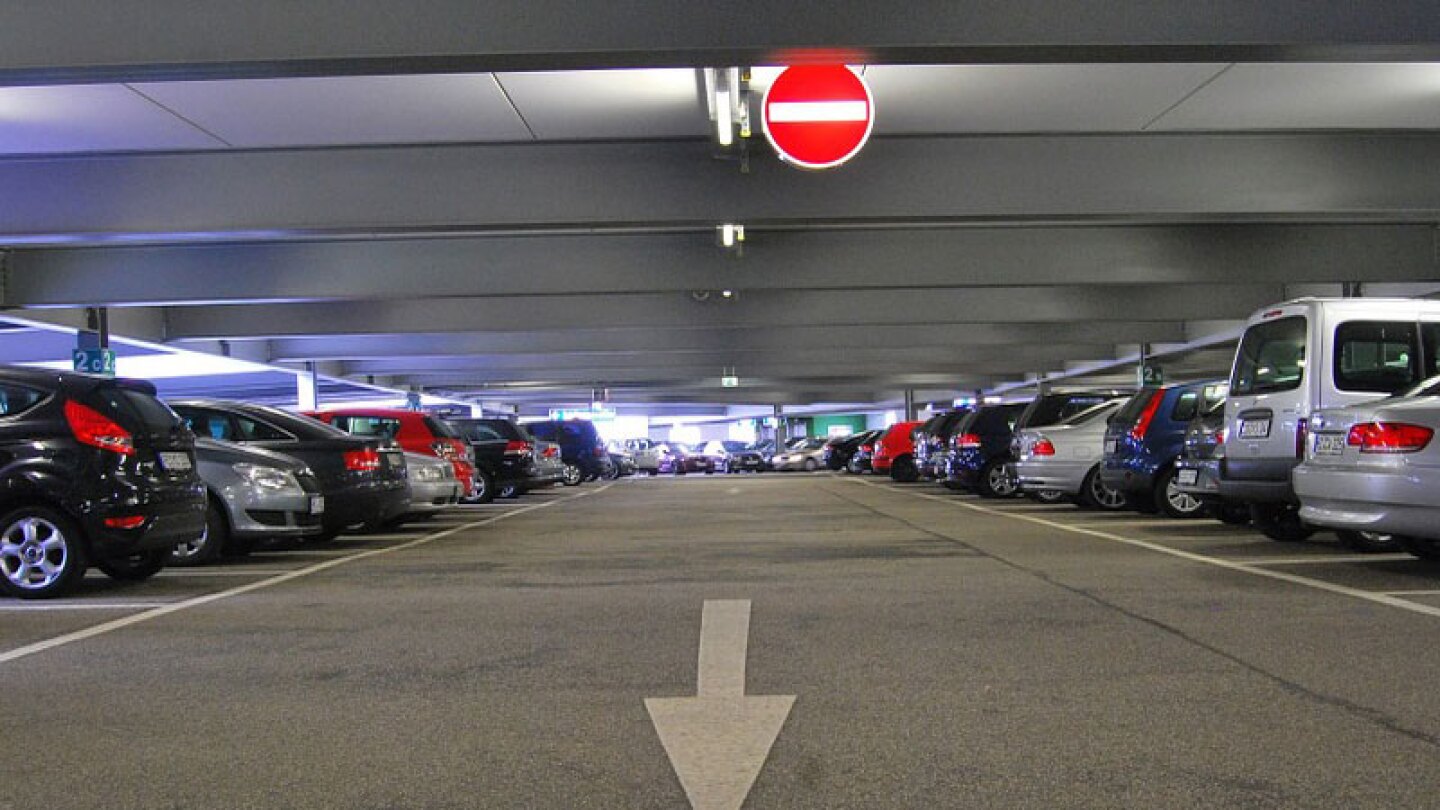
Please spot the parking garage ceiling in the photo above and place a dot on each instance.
(422, 204)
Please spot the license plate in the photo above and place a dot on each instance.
(1187, 477)
(1257, 429)
(1109, 447)
(1329, 444)
(317, 504)
(175, 461)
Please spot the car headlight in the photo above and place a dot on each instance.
(271, 478)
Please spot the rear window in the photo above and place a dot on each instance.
(17, 399)
(1135, 405)
(439, 429)
(544, 430)
(1047, 410)
(1378, 356)
(134, 409)
(291, 425)
(1271, 357)
(1103, 409)
(370, 427)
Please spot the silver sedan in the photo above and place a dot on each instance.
(1064, 459)
(1373, 469)
(807, 455)
(433, 485)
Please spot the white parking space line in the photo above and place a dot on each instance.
(1259, 571)
(1412, 593)
(1334, 558)
(42, 607)
(176, 607)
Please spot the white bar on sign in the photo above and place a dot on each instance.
(796, 112)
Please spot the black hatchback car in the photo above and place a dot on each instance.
(362, 481)
(95, 470)
(504, 451)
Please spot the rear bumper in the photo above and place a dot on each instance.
(1368, 501)
(172, 516)
(1257, 480)
(1062, 476)
(433, 496)
(1207, 477)
(366, 503)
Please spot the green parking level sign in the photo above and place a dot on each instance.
(95, 361)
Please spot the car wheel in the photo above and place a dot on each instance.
(209, 545)
(507, 491)
(994, 481)
(904, 471)
(1234, 514)
(1047, 496)
(41, 553)
(612, 473)
(810, 465)
(1280, 522)
(134, 567)
(1174, 503)
(1095, 495)
(572, 476)
(1368, 542)
(484, 487)
(1425, 548)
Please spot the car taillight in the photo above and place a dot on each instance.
(967, 441)
(443, 449)
(516, 447)
(128, 522)
(1389, 437)
(551, 452)
(97, 430)
(1142, 425)
(599, 451)
(1042, 447)
(366, 460)
(1219, 437)
(1302, 431)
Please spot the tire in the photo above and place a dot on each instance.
(994, 482)
(208, 547)
(1423, 547)
(1095, 495)
(1369, 542)
(1280, 522)
(572, 476)
(904, 470)
(1047, 496)
(484, 487)
(953, 486)
(30, 536)
(135, 567)
(612, 473)
(810, 465)
(1174, 503)
(507, 490)
(1234, 514)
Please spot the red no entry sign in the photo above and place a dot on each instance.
(818, 116)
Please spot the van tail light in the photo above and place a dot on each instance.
(1389, 437)
(1142, 425)
(1302, 432)
(127, 522)
(366, 460)
(97, 430)
(967, 441)
(516, 447)
(1042, 447)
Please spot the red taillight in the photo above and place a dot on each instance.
(1389, 437)
(967, 441)
(599, 451)
(551, 452)
(1043, 447)
(362, 460)
(128, 522)
(516, 447)
(1302, 432)
(1142, 425)
(1219, 437)
(97, 430)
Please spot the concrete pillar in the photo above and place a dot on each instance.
(910, 411)
(307, 389)
(782, 431)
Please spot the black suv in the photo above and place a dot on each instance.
(581, 449)
(363, 481)
(94, 470)
(505, 452)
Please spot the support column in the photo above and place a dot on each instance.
(910, 411)
(782, 432)
(307, 388)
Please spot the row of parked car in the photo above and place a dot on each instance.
(99, 471)
(1327, 421)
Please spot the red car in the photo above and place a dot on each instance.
(414, 431)
(895, 452)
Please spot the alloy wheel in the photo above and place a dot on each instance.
(1106, 497)
(33, 553)
(1181, 503)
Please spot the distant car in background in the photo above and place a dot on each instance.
(895, 452)
(932, 439)
(680, 458)
(508, 460)
(252, 494)
(581, 448)
(1144, 441)
(1064, 459)
(742, 457)
(414, 432)
(1197, 471)
(864, 451)
(804, 454)
(433, 486)
(622, 463)
(980, 451)
(839, 452)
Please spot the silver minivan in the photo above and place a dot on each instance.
(1302, 355)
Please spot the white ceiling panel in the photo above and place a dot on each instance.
(596, 104)
(89, 118)
(346, 110)
(1314, 96)
(937, 99)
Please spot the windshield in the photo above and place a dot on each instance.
(1271, 358)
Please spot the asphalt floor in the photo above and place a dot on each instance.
(944, 651)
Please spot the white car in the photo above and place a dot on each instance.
(807, 455)
(1373, 470)
(1063, 460)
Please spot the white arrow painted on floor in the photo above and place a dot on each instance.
(719, 740)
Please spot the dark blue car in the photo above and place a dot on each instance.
(979, 449)
(1145, 439)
